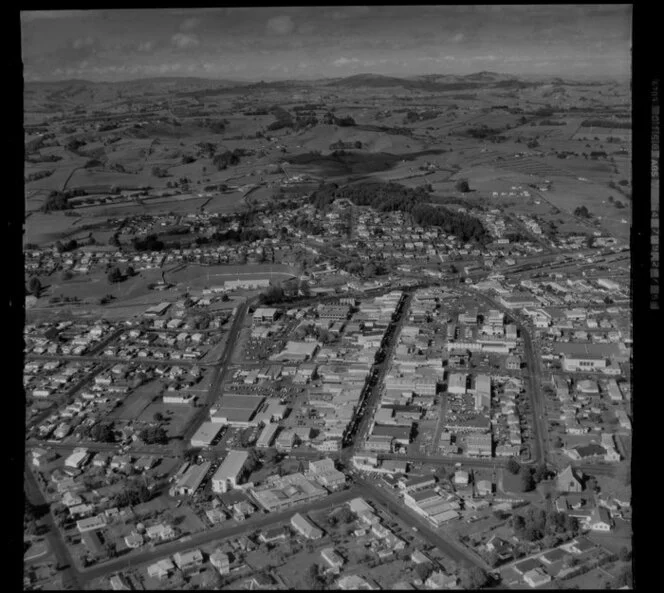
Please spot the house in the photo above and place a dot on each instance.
(305, 527)
(526, 566)
(161, 569)
(484, 487)
(353, 582)
(536, 577)
(188, 560)
(134, 540)
(332, 558)
(273, 535)
(600, 520)
(419, 558)
(440, 580)
(461, 478)
(118, 583)
(569, 481)
(220, 561)
(579, 546)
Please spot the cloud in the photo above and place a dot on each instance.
(82, 42)
(345, 61)
(281, 25)
(347, 13)
(185, 41)
(35, 15)
(190, 24)
(458, 37)
(145, 46)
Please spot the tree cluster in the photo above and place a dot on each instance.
(135, 492)
(148, 243)
(606, 123)
(152, 435)
(392, 197)
(228, 158)
(102, 433)
(582, 211)
(537, 524)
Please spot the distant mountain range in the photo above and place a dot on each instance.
(424, 82)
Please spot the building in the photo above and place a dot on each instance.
(267, 436)
(600, 520)
(512, 363)
(304, 527)
(583, 362)
(221, 562)
(324, 472)
(188, 560)
(91, 523)
(236, 410)
(457, 383)
(206, 434)
(286, 491)
(78, 458)
(536, 577)
(161, 569)
(264, 315)
(191, 480)
(479, 445)
(332, 558)
(229, 472)
(569, 481)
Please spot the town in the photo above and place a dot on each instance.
(316, 335)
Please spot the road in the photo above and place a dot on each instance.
(371, 400)
(118, 359)
(489, 463)
(257, 521)
(220, 371)
(534, 380)
(70, 577)
(395, 505)
(66, 398)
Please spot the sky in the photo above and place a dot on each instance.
(572, 41)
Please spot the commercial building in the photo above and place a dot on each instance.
(229, 472)
(191, 479)
(267, 436)
(585, 362)
(236, 410)
(205, 434)
(264, 315)
(78, 458)
(283, 492)
(456, 383)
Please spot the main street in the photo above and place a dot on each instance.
(371, 399)
(533, 377)
(220, 371)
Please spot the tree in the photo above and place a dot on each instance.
(518, 523)
(513, 466)
(130, 271)
(625, 554)
(473, 577)
(527, 481)
(462, 186)
(158, 417)
(114, 275)
(35, 286)
(423, 571)
(541, 473)
(154, 435)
